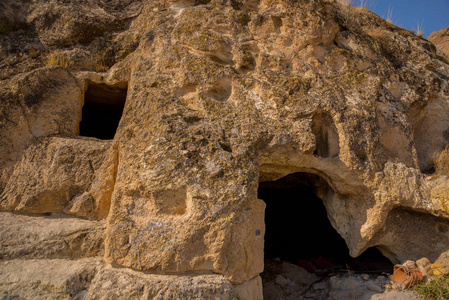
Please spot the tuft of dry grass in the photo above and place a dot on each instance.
(419, 31)
(363, 4)
(102, 62)
(345, 2)
(57, 60)
(378, 33)
(390, 16)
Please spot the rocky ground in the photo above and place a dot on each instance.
(283, 280)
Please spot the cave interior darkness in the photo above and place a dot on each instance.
(102, 110)
(298, 229)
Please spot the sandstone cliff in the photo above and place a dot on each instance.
(217, 96)
(441, 39)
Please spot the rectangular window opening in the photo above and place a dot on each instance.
(102, 110)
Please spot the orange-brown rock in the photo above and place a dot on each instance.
(441, 39)
(218, 96)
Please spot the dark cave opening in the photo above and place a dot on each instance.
(298, 229)
(102, 110)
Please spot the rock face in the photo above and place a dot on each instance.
(46, 278)
(220, 95)
(441, 39)
(34, 237)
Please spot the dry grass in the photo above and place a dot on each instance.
(419, 31)
(355, 3)
(57, 60)
(390, 16)
(378, 33)
(347, 12)
(101, 63)
(345, 2)
(351, 11)
(363, 4)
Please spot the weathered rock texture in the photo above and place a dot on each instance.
(49, 237)
(441, 39)
(46, 278)
(220, 96)
(111, 284)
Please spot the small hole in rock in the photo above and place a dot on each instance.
(201, 2)
(277, 21)
(236, 5)
(102, 110)
(221, 90)
(192, 119)
(248, 65)
(225, 147)
(185, 90)
(326, 135)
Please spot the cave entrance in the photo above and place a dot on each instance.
(102, 110)
(298, 230)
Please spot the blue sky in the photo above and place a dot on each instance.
(431, 15)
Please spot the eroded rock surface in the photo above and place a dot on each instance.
(44, 102)
(441, 39)
(46, 278)
(113, 283)
(40, 237)
(222, 95)
(53, 174)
